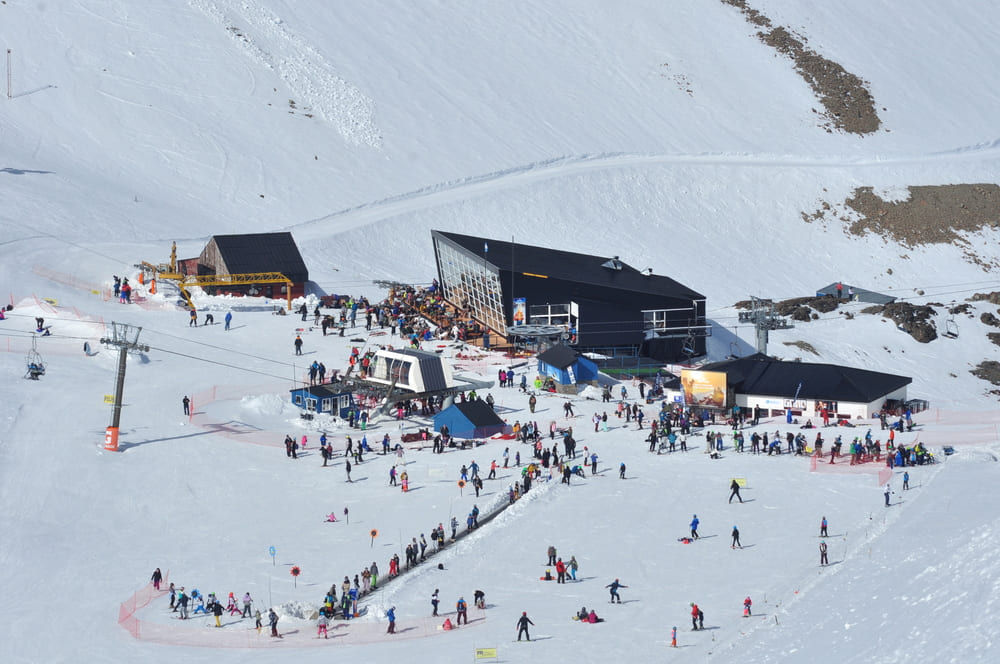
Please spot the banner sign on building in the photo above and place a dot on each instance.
(520, 311)
(704, 388)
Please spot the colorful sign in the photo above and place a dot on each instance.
(704, 388)
(520, 311)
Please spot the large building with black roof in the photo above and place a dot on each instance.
(250, 253)
(613, 308)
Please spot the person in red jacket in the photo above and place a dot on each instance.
(694, 616)
(560, 571)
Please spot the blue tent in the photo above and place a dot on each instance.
(566, 366)
(472, 419)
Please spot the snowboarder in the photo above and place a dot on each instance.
(522, 626)
(822, 527)
(906, 481)
(822, 554)
(463, 611)
(734, 488)
(736, 538)
(614, 586)
(247, 602)
(298, 344)
(673, 637)
(217, 612)
(573, 566)
(621, 470)
(694, 527)
(187, 405)
(229, 319)
(552, 555)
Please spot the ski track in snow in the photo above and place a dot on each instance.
(466, 188)
(309, 76)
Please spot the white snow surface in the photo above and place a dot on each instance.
(360, 127)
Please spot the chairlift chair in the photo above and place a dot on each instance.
(951, 328)
(36, 367)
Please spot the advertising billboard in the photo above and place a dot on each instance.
(520, 310)
(704, 388)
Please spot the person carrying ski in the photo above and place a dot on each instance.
(614, 586)
(734, 488)
(522, 626)
(694, 527)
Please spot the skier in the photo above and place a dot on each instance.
(552, 555)
(822, 554)
(734, 488)
(272, 620)
(156, 578)
(434, 602)
(573, 566)
(298, 344)
(694, 616)
(182, 603)
(747, 603)
(247, 601)
(621, 470)
(694, 527)
(888, 490)
(391, 615)
(822, 527)
(463, 611)
(736, 538)
(187, 405)
(217, 612)
(560, 571)
(229, 319)
(614, 586)
(673, 637)
(321, 625)
(522, 626)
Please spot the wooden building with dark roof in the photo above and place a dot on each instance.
(255, 253)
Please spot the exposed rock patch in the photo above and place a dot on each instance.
(847, 103)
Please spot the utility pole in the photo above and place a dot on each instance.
(9, 89)
(764, 318)
(126, 339)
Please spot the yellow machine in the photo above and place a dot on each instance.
(184, 282)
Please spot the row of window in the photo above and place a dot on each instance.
(465, 279)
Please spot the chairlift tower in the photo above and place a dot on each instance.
(125, 338)
(764, 318)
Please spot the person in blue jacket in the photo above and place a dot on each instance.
(614, 586)
(391, 615)
(694, 527)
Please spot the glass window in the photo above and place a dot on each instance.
(470, 279)
(310, 404)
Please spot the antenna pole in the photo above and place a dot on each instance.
(9, 88)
